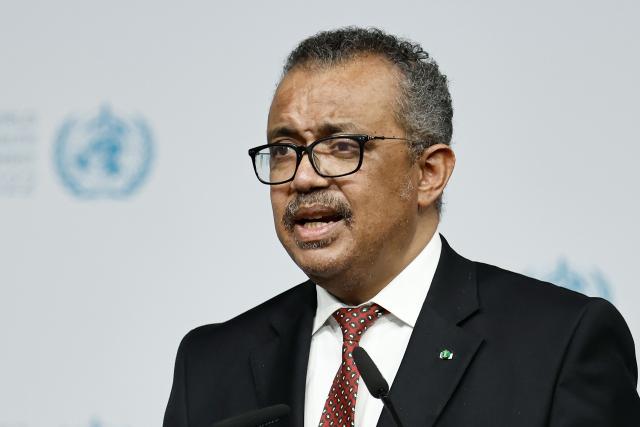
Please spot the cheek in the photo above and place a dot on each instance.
(278, 204)
(384, 204)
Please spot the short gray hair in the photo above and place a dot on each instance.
(424, 106)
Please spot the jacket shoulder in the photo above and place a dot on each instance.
(530, 316)
(504, 289)
(252, 323)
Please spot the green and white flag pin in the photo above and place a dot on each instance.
(446, 355)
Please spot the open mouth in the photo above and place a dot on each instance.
(316, 223)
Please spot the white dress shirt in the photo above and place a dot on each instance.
(385, 341)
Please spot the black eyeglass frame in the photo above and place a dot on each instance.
(301, 150)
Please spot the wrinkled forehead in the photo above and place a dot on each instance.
(362, 91)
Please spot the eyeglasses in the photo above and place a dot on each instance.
(331, 157)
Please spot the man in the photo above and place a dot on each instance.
(357, 159)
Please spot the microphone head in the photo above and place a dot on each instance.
(258, 417)
(373, 379)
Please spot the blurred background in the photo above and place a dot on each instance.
(129, 212)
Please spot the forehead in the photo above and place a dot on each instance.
(359, 93)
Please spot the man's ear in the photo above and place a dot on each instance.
(436, 165)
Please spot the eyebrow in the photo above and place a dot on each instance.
(281, 131)
(325, 129)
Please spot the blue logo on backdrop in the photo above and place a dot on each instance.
(103, 156)
(593, 283)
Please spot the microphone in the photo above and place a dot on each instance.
(258, 418)
(375, 382)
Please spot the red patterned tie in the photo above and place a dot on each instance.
(339, 409)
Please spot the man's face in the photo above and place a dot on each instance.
(344, 231)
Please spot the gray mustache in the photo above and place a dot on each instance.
(318, 198)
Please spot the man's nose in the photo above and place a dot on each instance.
(306, 177)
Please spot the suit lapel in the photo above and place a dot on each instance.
(280, 365)
(425, 382)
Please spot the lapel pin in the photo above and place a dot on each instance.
(446, 355)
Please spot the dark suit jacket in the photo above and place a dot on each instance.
(526, 353)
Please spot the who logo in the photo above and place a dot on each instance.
(103, 155)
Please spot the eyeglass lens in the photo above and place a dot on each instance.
(331, 157)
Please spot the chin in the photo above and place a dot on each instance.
(318, 263)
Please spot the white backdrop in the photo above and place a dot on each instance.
(96, 292)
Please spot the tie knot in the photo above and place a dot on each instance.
(354, 321)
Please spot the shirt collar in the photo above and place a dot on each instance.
(402, 297)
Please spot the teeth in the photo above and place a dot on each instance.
(314, 224)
